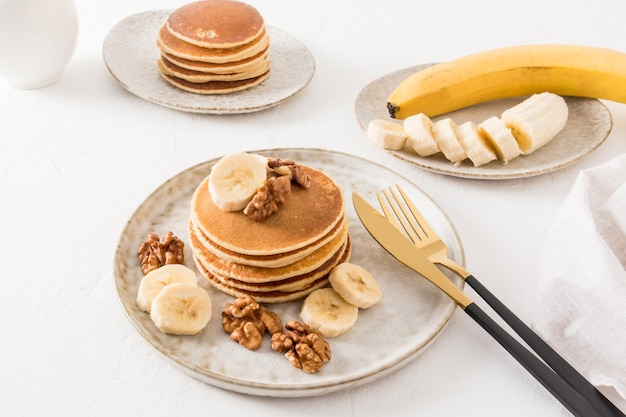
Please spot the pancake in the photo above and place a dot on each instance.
(294, 283)
(255, 274)
(272, 296)
(213, 87)
(306, 216)
(267, 261)
(169, 68)
(172, 45)
(216, 23)
(243, 65)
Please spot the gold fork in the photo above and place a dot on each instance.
(418, 229)
(403, 214)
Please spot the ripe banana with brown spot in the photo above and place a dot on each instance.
(568, 70)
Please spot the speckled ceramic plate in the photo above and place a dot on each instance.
(130, 53)
(588, 125)
(410, 315)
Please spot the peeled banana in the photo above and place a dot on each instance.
(536, 120)
(521, 129)
(569, 70)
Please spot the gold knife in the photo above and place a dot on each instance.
(400, 247)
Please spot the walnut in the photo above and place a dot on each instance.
(272, 193)
(247, 321)
(156, 252)
(248, 336)
(291, 170)
(304, 347)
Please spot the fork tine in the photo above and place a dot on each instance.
(393, 205)
(387, 211)
(421, 221)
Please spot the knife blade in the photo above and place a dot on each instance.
(398, 245)
(401, 248)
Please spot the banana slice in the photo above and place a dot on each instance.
(386, 134)
(182, 309)
(234, 180)
(537, 120)
(154, 281)
(500, 138)
(326, 311)
(355, 285)
(475, 145)
(419, 132)
(444, 131)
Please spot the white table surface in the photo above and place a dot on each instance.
(78, 157)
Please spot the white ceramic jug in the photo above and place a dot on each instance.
(37, 40)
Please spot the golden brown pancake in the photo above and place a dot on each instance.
(292, 283)
(267, 261)
(306, 216)
(174, 46)
(243, 65)
(272, 296)
(256, 274)
(213, 87)
(216, 23)
(174, 70)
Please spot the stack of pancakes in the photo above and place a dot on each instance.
(214, 47)
(281, 258)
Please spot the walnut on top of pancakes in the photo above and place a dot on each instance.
(214, 47)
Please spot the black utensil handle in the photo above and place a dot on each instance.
(565, 393)
(549, 355)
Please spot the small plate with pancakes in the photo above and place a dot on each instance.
(133, 56)
(588, 125)
(411, 313)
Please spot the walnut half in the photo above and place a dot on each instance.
(156, 252)
(304, 347)
(269, 196)
(247, 321)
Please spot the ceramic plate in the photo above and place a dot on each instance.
(130, 53)
(411, 313)
(589, 123)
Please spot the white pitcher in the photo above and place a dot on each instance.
(37, 40)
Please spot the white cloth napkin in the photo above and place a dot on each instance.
(581, 305)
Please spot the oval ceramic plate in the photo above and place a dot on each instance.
(130, 53)
(412, 312)
(588, 125)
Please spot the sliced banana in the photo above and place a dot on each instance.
(386, 134)
(181, 309)
(154, 281)
(475, 145)
(444, 132)
(419, 132)
(537, 120)
(326, 311)
(500, 138)
(355, 285)
(234, 180)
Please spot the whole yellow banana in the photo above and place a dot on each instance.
(569, 70)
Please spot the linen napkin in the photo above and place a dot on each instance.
(581, 305)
